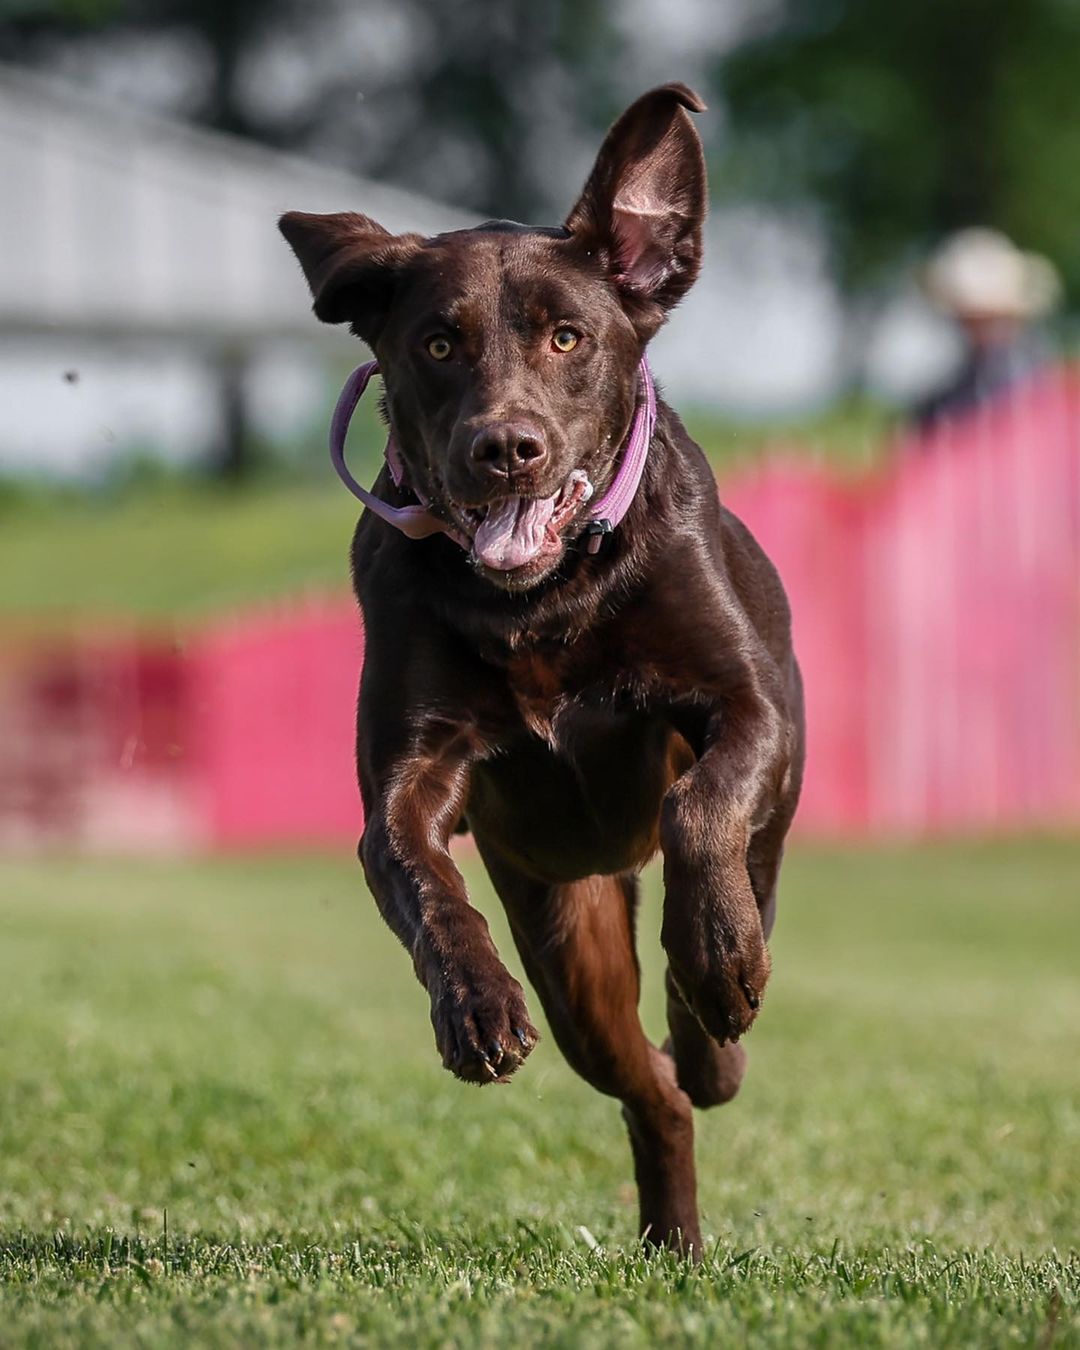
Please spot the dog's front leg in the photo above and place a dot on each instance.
(413, 798)
(712, 929)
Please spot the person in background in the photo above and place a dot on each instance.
(995, 294)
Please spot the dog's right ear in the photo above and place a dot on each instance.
(351, 264)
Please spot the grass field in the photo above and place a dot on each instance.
(222, 1122)
(163, 547)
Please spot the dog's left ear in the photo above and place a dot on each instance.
(642, 209)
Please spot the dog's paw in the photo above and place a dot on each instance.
(482, 1027)
(722, 982)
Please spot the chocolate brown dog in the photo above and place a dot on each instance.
(576, 708)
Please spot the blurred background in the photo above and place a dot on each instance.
(877, 359)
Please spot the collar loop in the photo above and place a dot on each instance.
(419, 522)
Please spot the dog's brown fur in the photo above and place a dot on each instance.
(584, 710)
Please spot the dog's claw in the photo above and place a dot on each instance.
(475, 1031)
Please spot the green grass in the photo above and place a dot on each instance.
(178, 551)
(239, 1045)
(160, 548)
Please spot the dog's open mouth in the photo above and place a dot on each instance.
(512, 531)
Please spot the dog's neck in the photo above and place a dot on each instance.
(585, 592)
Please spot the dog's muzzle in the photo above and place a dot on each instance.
(514, 530)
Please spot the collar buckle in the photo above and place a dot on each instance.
(594, 532)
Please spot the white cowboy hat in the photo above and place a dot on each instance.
(980, 273)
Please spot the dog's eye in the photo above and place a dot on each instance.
(439, 348)
(565, 339)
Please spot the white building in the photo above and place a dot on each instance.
(140, 263)
(139, 258)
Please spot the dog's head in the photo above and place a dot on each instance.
(509, 353)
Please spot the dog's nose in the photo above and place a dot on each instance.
(507, 447)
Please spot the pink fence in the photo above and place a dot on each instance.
(273, 699)
(93, 737)
(937, 618)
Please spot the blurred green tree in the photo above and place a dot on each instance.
(37, 31)
(500, 72)
(471, 86)
(903, 121)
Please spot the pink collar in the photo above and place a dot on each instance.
(420, 521)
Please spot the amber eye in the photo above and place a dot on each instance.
(439, 348)
(565, 339)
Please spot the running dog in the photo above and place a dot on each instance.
(573, 650)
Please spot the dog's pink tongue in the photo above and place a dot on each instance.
(512, 532)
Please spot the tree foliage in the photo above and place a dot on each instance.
(476, 86)
(903, 121)
(898, 121)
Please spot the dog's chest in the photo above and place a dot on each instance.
(563, 693)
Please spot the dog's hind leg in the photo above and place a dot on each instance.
(577, 944)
